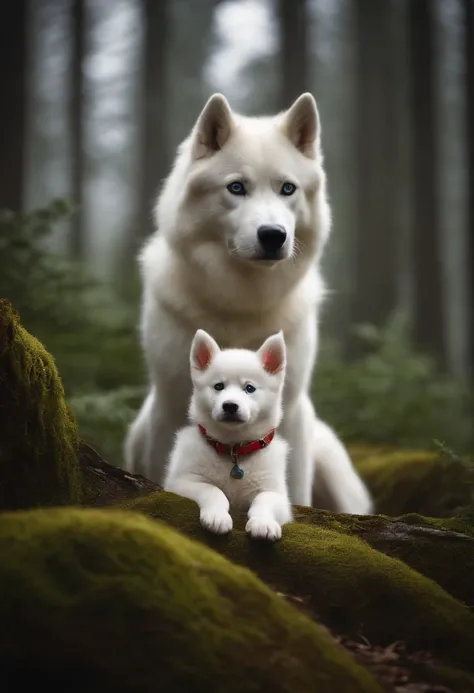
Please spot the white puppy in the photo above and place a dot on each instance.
(231, 454)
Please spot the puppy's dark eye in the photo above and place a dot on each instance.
(219, 386)
(237, 188)
(287, 189)
(249, 388)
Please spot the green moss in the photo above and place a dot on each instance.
(359, 452)
(432, 546)
(452, 524)
(349, 583)
(38, 441)
(111, 601)
(407, 481)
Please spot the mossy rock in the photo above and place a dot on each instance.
(415, 481)
(431, 546)
(350, 584)
(101, 600)
(38, 439)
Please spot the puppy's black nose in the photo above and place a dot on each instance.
(271, 237)
(230, 407)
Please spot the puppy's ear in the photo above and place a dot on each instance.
(203, 350)
(301, 125)
(272, 354)
(213, 127)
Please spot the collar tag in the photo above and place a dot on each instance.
(236, 472)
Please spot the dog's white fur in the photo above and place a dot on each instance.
(201, 270)
(198, 472)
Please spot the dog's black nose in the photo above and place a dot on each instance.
(271, 237)
(230, 407)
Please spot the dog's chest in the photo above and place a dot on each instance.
(220, 471)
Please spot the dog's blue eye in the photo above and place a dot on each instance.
(219, 386)
(237, 188)
(250, 388)
(287, 189)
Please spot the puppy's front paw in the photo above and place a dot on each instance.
(263, 529)
(217, 521)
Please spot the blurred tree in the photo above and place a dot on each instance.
(469, 27)
(154, 141)
(262, 79)
(13, 61)
(333, 82)
(374, 296)
(428, 309)
(77, 127)
(191, 44)
(294, 53)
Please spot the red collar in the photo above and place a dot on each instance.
(239, 449)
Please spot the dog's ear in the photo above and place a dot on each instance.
(301, 125)
(272, 354)
(213, 127)
(203, 350)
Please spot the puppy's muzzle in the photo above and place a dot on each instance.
(230, 412)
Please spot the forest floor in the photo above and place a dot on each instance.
(397, 669)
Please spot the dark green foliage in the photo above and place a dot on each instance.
(393, 394)
(88, 326)
(103, 416)
(90, 331)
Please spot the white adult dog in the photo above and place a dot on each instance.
(242, 221)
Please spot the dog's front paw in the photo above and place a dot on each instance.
(263, 529)
(217, 521)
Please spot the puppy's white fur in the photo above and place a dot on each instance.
(198, 472)
(202, 268)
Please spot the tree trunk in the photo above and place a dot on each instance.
(13, 73)
(77, 128)
(154, 150)
(294, 24)
(190, 47)
(469, 27)
(428, 313)
(375, 292)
